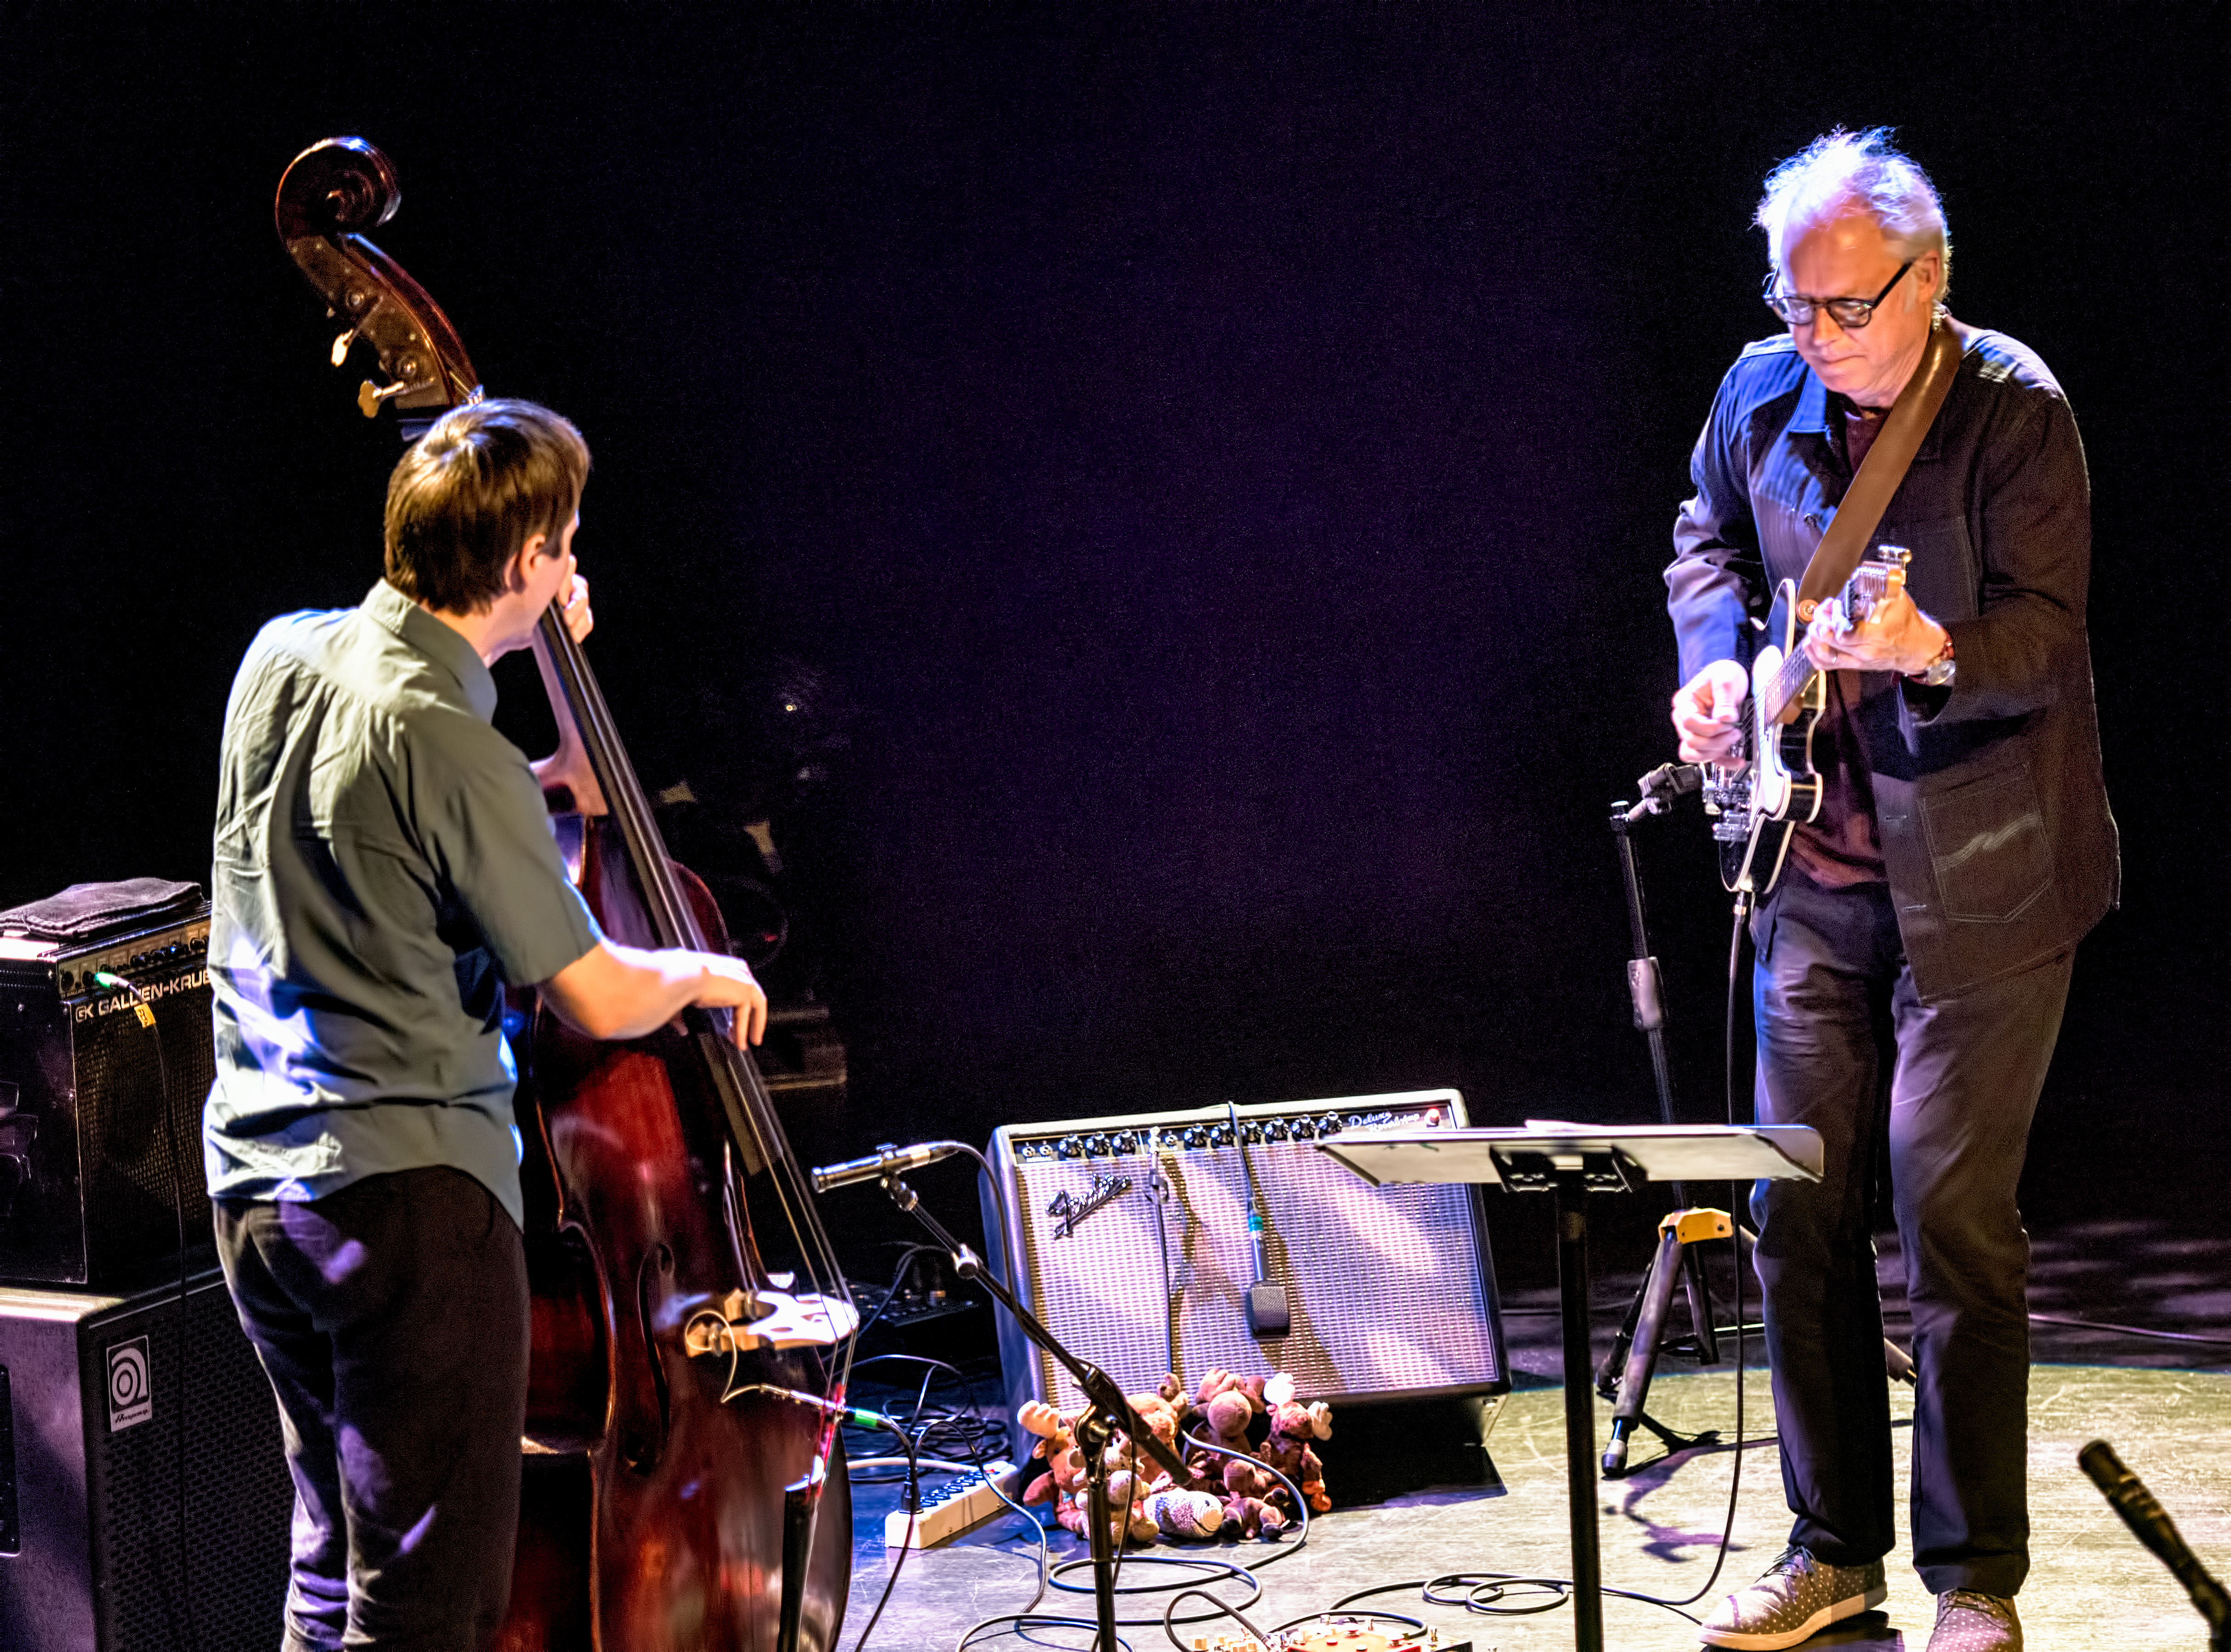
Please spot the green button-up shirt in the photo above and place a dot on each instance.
(384, 864)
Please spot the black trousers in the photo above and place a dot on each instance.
(392, 1318)
(1939, 1098)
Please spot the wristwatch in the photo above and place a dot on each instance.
(1938, 673)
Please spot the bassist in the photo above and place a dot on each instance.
(384, 867)
(1913, 962)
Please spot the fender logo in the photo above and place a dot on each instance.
(1071, 1210)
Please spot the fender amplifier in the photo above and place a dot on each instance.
(1128, 1237)
(101, 1106)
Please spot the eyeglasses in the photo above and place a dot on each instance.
(1851, 313)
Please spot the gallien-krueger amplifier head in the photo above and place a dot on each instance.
(1129, 1236)
(96, 1159)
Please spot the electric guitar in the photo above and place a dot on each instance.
(1755, 809)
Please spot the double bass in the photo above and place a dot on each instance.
(684, 1484)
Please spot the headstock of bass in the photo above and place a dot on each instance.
(329, 194)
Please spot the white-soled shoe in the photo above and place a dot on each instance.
(1967, 1622)
(1797, 1597)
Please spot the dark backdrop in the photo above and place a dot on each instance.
(1208, 468)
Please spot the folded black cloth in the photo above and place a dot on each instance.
(85, 911)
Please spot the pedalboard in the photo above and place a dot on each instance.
(1338, 1633)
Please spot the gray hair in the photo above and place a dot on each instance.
(1861, 170)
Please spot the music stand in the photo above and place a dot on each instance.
(1574, 1161)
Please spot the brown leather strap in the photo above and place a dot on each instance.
(1846, 542)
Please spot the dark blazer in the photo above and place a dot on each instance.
(1990, 801)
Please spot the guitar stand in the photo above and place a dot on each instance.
(1625, 1373)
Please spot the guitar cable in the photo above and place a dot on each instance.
(1484, 1593)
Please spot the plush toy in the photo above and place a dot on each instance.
(1191, 1515)
(1130, 1489)
(1247, 1510)
(1227, 1492)
(1129, 1509)
(1057, 1445)
(1286, 1448)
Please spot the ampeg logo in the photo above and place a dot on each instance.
(131, 1387)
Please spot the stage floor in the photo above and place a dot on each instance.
(2090, 1586)
(2166, 1408)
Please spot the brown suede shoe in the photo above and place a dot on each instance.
(1967, 1622)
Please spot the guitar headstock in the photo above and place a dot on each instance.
(328, 193)
(1875, 581)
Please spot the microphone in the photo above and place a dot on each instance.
(1672, 779)
(2154, 1528)
(1665, 783)
(884, 1161)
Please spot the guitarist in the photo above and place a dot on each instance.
(1913, 961)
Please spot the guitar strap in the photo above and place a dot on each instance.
(1837, 554)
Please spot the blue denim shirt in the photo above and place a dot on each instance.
(384, 864)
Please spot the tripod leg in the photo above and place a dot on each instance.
(1614, 1362)
(1642, 1359)
(1700, 1305)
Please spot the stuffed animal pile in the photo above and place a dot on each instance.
(1227, 1492)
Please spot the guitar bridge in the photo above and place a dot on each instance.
(1726, 803)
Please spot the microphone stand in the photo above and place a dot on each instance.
(1107, 1409)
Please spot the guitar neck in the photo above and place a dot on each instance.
(1790, 684)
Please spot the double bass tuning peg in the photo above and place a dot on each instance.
(342, 347)
(369, 395)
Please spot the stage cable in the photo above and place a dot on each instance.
(1483, 1593)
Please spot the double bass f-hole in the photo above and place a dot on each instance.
(682, 1280)
(657, 1262)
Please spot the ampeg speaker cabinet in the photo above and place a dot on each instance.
(96, 1157)
(143, 1496)
(1128, 1237)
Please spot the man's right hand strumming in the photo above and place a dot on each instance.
(1708, 712)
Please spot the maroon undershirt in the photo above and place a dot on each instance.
(1839, 849)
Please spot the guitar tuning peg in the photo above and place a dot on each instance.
(369, 395)
(342, 347)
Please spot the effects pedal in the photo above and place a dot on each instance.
(1365, 1634)
(964, 1501)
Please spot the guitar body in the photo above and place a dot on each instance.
(1783, 790)
(1755, 810)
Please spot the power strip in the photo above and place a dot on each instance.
(965, 1500)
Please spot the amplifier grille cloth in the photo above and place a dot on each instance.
(1345, 1252)
(239, 1498)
